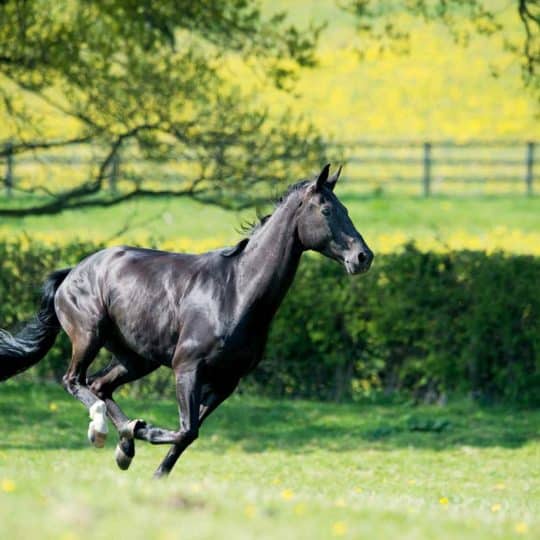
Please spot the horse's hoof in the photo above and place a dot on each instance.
(159, 474)
(122, 454)
(96, 438)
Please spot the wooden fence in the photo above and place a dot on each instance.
(426, 163)
(391, 163)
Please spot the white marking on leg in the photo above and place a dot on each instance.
(97, 429)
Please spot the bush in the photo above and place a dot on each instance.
(23, 269)
(426, 323)
(422, 323)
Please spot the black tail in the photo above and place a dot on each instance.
(31, 344)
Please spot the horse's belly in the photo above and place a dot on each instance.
(148, 340)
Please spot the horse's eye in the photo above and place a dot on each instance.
(326, 210)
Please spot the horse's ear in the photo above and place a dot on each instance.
(323, 177)
(331, 182)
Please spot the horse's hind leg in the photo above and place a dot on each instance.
(85, 349)
(104, 383)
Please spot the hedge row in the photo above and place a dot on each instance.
(423, 323)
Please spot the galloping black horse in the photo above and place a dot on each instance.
(205, 316)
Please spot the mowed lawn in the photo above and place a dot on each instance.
(273, 469)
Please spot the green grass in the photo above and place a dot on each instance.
(169, 219)
(273, 469)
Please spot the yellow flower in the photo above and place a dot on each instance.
(300, 509)
(249, 510)
(53, 407)
(8, 485)
(500, 486)
(340, 503)
(521, 528)
(412, 482)
(339, 528)
(444, 501)
(358, 489)
(69, 536)
(276, 481)
(287, 494)
(496, 508)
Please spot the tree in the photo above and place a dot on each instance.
(376, 21)
(147, 80)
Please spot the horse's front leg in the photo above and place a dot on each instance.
(210, 402)
(188, 394)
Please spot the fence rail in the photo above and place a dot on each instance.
(425, 163)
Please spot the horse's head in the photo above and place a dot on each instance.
(324, 225)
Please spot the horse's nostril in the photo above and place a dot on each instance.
(362, 257)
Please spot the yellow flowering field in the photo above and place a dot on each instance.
(438, 91)
(497, 239)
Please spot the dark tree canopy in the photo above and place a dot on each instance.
(145, 81)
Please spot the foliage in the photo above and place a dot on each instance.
(425, 323)
(149, 80)
(376, 21)
(22, 272)
(272, 469)
(419, 322)
(438, 90)
(444, 91)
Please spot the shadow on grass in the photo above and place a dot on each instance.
(304, 426)
(44, 417)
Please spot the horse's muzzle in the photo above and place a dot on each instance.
(359, 261)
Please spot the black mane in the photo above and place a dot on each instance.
(251, 228)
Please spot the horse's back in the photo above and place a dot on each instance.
(135, 296)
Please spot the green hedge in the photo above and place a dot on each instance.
(423, 323)
(426, 323)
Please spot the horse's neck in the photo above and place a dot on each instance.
(268, 265)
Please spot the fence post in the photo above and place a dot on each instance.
(529, 160)
(8, 179)
(427, 169)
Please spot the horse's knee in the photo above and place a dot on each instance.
(188, 436)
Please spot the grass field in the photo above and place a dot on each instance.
(510, 223)
(273, 469)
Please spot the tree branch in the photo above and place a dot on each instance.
(8, 148)
(526, 17)
(58, 206)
